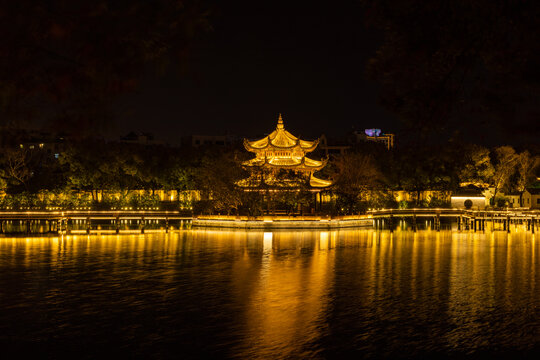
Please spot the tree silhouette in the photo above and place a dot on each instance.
(63, 61)
(458, 66)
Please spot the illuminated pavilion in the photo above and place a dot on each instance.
(280, 155)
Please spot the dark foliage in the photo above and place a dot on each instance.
(62, 61)
(459, 68)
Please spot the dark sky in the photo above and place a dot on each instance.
(263, 58)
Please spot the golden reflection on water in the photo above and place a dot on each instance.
(287, 306)
(289, 288)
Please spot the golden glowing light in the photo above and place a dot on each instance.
(282, 150)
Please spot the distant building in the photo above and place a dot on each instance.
(375, 135)
(50, 145)
(531, 198)
(514, 199)
(472, 193)
(139, 139)
(208, 140)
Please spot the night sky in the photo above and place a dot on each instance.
(260, 59)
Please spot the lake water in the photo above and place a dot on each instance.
(271, 295)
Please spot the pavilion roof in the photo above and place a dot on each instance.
(280, 139)
(298, 163)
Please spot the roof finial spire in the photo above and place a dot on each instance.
(280, 122)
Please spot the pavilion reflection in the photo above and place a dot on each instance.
(287, 306)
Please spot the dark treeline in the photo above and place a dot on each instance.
(99, 174)
(371, 178)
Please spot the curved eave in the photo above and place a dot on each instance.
(306, 164)
(280, 140)
(300, 167)
(315, 163)
(249, 145)
(319, 183)
(309, 146)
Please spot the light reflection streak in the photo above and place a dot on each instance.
(267, 242)
(287, 305)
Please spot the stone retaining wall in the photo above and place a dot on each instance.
(282, 223)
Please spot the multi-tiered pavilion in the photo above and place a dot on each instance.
(280, 154)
